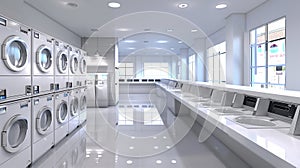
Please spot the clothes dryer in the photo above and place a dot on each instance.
(82, 105)
(42, 63)
(83, 68)
(15, 139)
(61, 116)
(74, 109)
(61, 66)
(15, 69)
(42, 125)
(74, 71)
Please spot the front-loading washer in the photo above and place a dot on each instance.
(15, 68)
(42, 125)
(82, 105)
(61, 72)
(42, 63)
(74, 97)
(15, 128)
(83, 68)
(60, 116)
(74, 54)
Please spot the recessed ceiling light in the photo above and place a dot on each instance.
(194, 30)
(173, 161)
(131, 48)
(179, 42)
(172, 48)
(123, 29)
(129, 162)
(221, 6)
(170, 30)
(71, 4)
(158, 162)
(161, 41)
(114, 4)
(183, 5)
(129, 41)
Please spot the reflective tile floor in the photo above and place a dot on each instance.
(134, 135)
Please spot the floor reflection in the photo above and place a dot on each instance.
(129, 135)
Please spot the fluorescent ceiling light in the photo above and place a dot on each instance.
(179, 42)
(129, 41)
(194, 30)
(221, 6)
(183, 5)
(161, 41)
(131, 48)
(122, 29)
(114, 4)
(172, 48)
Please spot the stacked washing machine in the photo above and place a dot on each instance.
(38, 107)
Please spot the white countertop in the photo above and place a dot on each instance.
(265, 143)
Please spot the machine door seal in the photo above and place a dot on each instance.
(82, 102)
(44, 120)
(83, 66)
(15, 53)
(74, 106)
(62, 62)
(74, 64)
(62, 112)
(44, 59)
(14, 133)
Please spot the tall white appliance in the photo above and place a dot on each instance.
(102, 90)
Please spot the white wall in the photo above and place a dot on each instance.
(141, 59)
(272, 10)
(23, 13)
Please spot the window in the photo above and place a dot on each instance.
(156, 70)
(192, 71)
(126, 71)
(216, 59)
(267, 47)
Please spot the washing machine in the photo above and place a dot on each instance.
(82, 105)
(42, 125)
(74, 70)
(61, 116)
(15, 139)
(15, 68)
(83, 68)
(74, 97)
(77, 152)
(42, 63)
(61, 72)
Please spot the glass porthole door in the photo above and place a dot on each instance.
(15, 53)
(83, 66)
(62, 112)
(62, 62)
(44, 59)
(83, 102)
(74, 64)
(14, 133)
(44, 120)
(74, 106)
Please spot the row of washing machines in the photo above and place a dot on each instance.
(42, 92)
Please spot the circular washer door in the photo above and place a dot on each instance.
(62, 112)
(83, 102)
(44, 59)
(14, 133)
(62, 62)
(44, 120)
(15, 53)
(74, 64)
(83, 66)
(74, 106)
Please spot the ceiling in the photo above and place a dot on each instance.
(136, 18)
